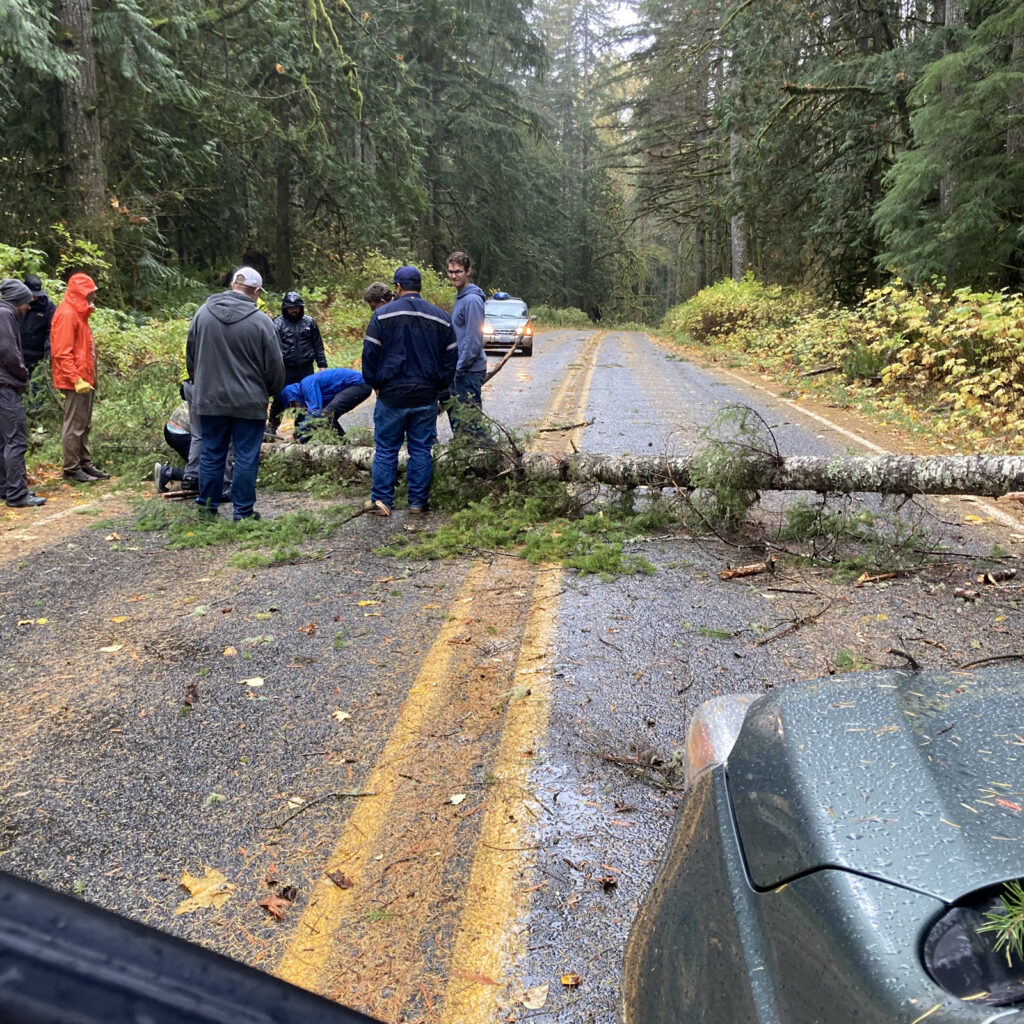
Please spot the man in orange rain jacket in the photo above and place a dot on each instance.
(73, 359)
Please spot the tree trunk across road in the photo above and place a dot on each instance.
(984, 475)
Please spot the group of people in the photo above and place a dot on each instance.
(416, 357)
(32, 328)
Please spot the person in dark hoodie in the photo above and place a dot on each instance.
(301, 345)
(14, 302)
(234, 361)
(34, 331)
(468, 321)
(34, 328)
(328, 394)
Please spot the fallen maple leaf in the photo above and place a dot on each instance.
(254, 681)
(274, 905)
(309, 628)
(229, 652)
(112, 536)
(212, 890)
(340, 879)
(535, 998)
(340, 716)
(571, 980)
(457, 798)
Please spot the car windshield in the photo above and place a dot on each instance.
(505, 307)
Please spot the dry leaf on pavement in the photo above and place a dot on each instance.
(212, 890)
(274, 905)
(535, 998)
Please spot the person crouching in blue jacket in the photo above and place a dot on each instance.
(328, 394)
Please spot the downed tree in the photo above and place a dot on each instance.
(983, 475)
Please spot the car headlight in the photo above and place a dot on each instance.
(488, 328)
(519, 329)
(964, 960)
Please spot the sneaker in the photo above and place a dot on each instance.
(29, 501)
(96, 474)
(376, 508)
(252, 515)
(161, 477)
(190, 484)
(79, 477)
(417, 510)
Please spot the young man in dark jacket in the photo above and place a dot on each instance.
(409, 356)
(301, 345)
(14, 302)
(234, 361)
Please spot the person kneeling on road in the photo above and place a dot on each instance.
(328, 394)
(179, 435)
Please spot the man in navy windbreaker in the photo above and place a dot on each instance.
(409, 356)
(328, 394)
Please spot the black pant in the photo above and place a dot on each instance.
(13, 445)
(181, 443)
(292, 375)
(344, 401)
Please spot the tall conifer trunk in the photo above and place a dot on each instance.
(84, 171)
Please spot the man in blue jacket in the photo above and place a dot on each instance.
(328, 394)
(409, 356)
(468, 321)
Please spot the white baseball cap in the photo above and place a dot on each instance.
(247, 276)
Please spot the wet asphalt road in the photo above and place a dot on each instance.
(123, 767)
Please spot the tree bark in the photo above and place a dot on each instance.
(85, 179)
(283, 271)
(984, 475)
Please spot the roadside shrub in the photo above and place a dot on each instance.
(740, 309)
(549, 316)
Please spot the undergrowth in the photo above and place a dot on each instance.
(544, 522)
(261, 542)
(840, 532)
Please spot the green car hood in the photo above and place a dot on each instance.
(913, 779)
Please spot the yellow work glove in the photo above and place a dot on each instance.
(82, 387)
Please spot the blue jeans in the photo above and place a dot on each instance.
(219, 433)
(417, 425)
(465, 415)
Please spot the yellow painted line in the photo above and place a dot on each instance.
(495, 903)
(580, 378)
(306, 955)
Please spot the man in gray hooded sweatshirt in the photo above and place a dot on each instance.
(234, 360)
(14, 301)
(465, 414)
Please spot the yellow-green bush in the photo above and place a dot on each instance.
(741, 310)
(959, 354)
(549, 316)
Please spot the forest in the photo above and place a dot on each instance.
(613, 158)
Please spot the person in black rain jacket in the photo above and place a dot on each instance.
(301, 346)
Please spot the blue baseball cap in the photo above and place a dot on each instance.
(408, 278)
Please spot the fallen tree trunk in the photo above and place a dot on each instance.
(984, 475)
